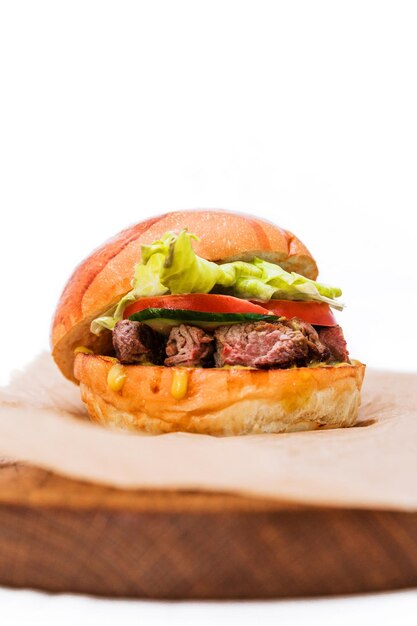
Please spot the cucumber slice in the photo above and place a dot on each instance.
(162, 320)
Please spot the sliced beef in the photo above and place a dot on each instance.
(317, 350)
(280, 344)
(260, 344)
(189, 346)
(332, 338)
(135, 342)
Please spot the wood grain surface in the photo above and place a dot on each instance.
(61, 535)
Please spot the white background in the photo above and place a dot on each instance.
(302, 112)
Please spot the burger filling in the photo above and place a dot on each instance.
(281, 344)
(186, 311)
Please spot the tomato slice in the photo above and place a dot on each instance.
(205, 302)
(317, 313)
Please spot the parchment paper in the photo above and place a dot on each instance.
(43, 422)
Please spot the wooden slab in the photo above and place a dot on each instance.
(62, 535)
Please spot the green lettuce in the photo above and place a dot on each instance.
(248, 281)
(293, 286)
(170, 265)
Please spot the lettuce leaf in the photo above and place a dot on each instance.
(248, 281)
(170, 265)
(293, 286)
(180, 269)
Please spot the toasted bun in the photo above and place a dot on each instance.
(104, 277)
(222, 401)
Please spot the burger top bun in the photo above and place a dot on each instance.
(105, 276)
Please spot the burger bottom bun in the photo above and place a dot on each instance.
(233, 401)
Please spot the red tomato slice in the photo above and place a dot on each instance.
(206, 302)
(317, 313)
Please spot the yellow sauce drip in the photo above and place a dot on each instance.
(83, 350)
(116, 377)
(179, 383)
(110, 358)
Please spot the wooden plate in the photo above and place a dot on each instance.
(62, 535)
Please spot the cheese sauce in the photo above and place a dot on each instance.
(179, 385)
(116, 377)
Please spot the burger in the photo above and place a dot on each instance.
(206, 322)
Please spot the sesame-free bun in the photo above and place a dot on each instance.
(105, 276)
(233, 401)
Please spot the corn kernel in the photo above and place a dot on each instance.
(83, 350)
(116, 377)
(179, 383)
